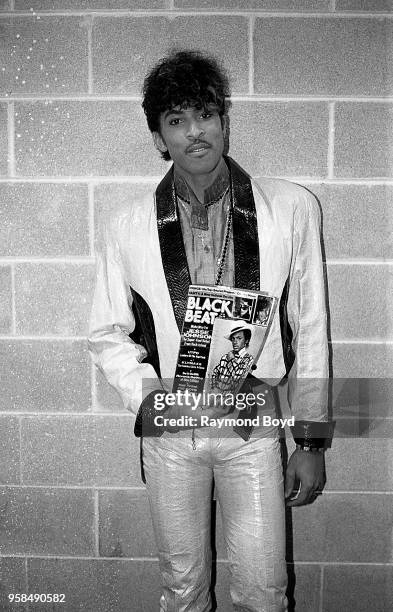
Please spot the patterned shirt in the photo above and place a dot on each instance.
(203, 247)
(231, 370)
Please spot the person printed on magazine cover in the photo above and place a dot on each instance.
(209, 223)
(235, 365)
(262, 311)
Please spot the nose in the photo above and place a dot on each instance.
(194, 129)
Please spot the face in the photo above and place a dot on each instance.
(194, 138)
(243, 307)
(238, 341)
(262, 314)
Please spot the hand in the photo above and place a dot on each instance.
(308, 468)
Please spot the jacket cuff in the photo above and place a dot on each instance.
(144, 421)
(315, 434)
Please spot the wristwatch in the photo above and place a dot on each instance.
(313, 436)
(311, 449)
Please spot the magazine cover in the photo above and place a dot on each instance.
(223, 334)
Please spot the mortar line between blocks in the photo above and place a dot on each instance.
(322, 578)
(90, 55)
(11, 138)
(331, 137)
(13, 300)
(237, 97)
(251, 25)
(96, 525)
(132, 180)
(178, 12)
(20, 417)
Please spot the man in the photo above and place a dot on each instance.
(209, 223)
(243, 311)
(235, 365)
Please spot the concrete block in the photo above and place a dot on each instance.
(96, 585)
(363, 360)
(345, 527)
(13, 580)
(117, 452)
(39, 376)
(280, 139)
(5, 5)
(357, 220)
(125, 48)
(44, 55)
(367, 400)
(360, 464)
(323, 56)
(126, 529)
(5, 300)
(84, 138)
(82, 5)
(9, 451)
(53, 298)
(109, 198)
(84, 450)
(107, 399)
(361, 588)
(3, 139)
(364, 5)
(363, 140)
(271, 5)
(46, 522)
(69, 442)
(43, 219)
(358, 307)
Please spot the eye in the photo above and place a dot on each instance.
(206, 115)
(174, 121)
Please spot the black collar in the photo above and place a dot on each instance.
(245, 236)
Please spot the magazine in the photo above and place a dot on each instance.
(223, 334)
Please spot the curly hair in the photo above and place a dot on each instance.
(184, 78)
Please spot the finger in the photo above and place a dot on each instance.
(302, 499)
(289, 483)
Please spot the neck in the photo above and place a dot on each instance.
(200, 182)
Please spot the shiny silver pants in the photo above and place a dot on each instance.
(249, 487)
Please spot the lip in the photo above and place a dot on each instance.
(198, 148)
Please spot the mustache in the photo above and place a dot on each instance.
(195, 144)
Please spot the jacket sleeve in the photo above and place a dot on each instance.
(306, 307)
(111, 322)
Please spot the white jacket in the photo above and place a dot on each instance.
(288, 221)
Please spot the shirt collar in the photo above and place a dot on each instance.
(212, 193)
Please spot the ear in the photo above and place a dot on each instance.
(225, 125)
(159, 142)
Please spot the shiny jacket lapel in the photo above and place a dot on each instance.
(173, 254)
(245, 229)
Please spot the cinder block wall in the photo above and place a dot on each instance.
(312, 83)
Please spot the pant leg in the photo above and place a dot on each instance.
(179, 486)
(249, 485)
